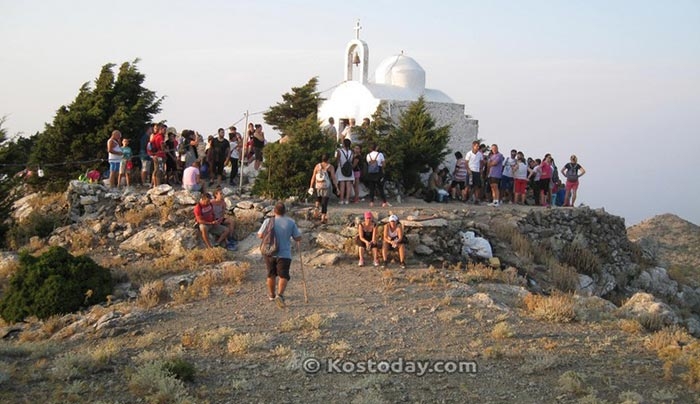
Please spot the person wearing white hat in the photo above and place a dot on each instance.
(394, 240)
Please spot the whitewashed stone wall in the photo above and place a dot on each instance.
(463, 130)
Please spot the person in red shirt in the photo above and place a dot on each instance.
(204, 215)
(157, 152)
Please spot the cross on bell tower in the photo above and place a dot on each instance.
(357, 29)
(357, 54)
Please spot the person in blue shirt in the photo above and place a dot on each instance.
(278, 266)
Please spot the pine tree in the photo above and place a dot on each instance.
(76, 139)
(421, 144)
(288, 166)
(295, 106)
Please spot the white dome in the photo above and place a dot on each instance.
(401, 71)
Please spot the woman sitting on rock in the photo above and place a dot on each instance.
(394, 240)
(367, 239)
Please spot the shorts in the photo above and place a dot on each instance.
(543, 184)
(258, 152)
(356, 174)
(146, 165)
(476, 180)
(520, 186)
(193, 187)
(360, 243)
(402, 241)
(494, 180)
(461, 184)
(215, 229)
(114, 166)
(277, 266)
(571, 185)
(124, 167)
(506, 183)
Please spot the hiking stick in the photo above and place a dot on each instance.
(303, 278)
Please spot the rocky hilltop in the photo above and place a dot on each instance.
(675, 242)
(544, 302)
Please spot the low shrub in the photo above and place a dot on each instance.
(56, 282)
(581, 258)
(36, 224)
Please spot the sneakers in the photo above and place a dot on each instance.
(403, 265)
(361, 263)
(279, 300)
(376, 263)
(383, 264)
(495, 204)
(272, 299)
(231, 245)
(386, 204)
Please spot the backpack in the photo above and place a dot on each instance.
(269, 246)
(346, 168)
(321, 178)
(373, 166)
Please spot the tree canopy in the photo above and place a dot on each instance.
(76, 139)
(296, 105)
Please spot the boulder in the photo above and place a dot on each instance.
(645, 304)
(656, 281)
(332, 241)
(153, 240)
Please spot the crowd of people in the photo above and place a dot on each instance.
(486, 176)
(183, 158)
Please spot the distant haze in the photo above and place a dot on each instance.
(616, 83)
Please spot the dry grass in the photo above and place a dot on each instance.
(78, 365)
(478, 273)
(198, 290)
(430, 276)
(449, 315)
(340, 348)
(680, 353)
(572, 382)
(669, 336)
(138, 216)
(243, 343)
(558, 307)
(502, 330)
(651, 321)
(519, 243)
(215, 338)
(152, 294)
(388, 281)
(630, 326)
(564, 277)
(152, 382)
(234, 273)
(82, 241)
(312, 322)
(245, 226)
(581, 258)
(539, 362)
(54, 323)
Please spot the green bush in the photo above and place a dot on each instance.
(36, 224)
(180, 369)
(54, 283)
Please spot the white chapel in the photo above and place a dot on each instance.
(398, 81)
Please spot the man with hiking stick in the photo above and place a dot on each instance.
(278, 265)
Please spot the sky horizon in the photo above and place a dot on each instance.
(617, 84)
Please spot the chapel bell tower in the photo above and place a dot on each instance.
(357, 56)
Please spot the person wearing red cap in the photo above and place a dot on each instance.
(367, 239)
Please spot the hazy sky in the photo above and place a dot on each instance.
(615, 82)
